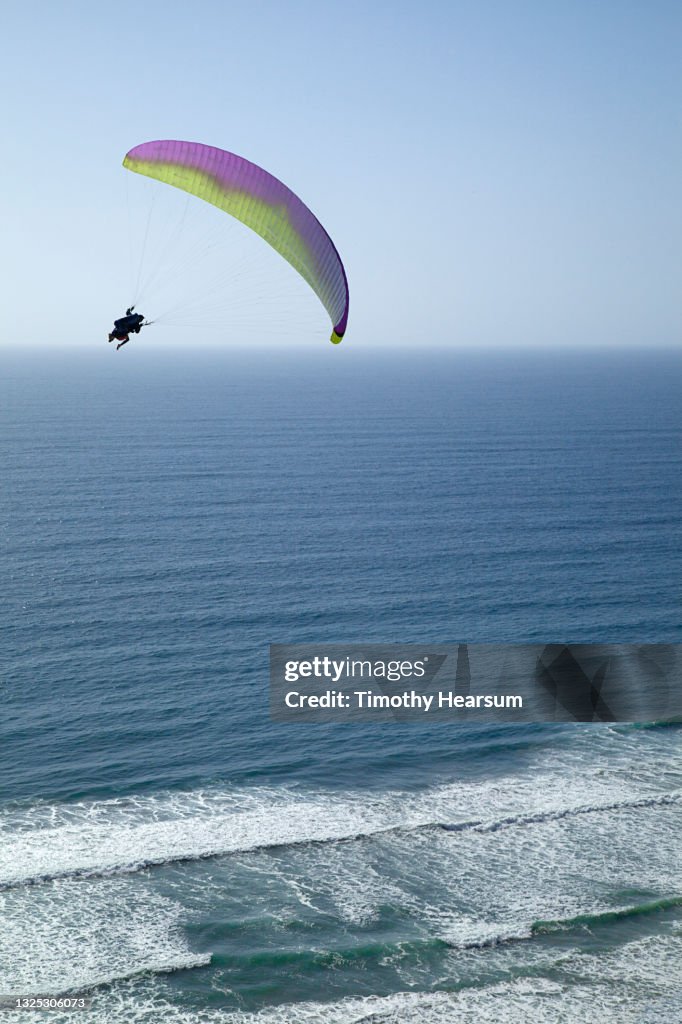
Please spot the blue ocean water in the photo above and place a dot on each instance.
(166, 515)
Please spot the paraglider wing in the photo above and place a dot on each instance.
(260, 201)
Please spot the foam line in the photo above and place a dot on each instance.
(90, 849)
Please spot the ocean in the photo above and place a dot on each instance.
(169, 852)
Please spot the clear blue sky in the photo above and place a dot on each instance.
(493, 173)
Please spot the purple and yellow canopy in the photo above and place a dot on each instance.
(260, 201)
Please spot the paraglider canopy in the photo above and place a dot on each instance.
(259, 200)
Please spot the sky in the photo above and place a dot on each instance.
(492, 173)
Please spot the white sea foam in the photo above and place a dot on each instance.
(74, 935)
(632, 985)
(51, 841)
(516, 850)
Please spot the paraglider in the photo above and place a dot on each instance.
(260, 201)
(126, 325)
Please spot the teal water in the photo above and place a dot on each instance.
(167, 849)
